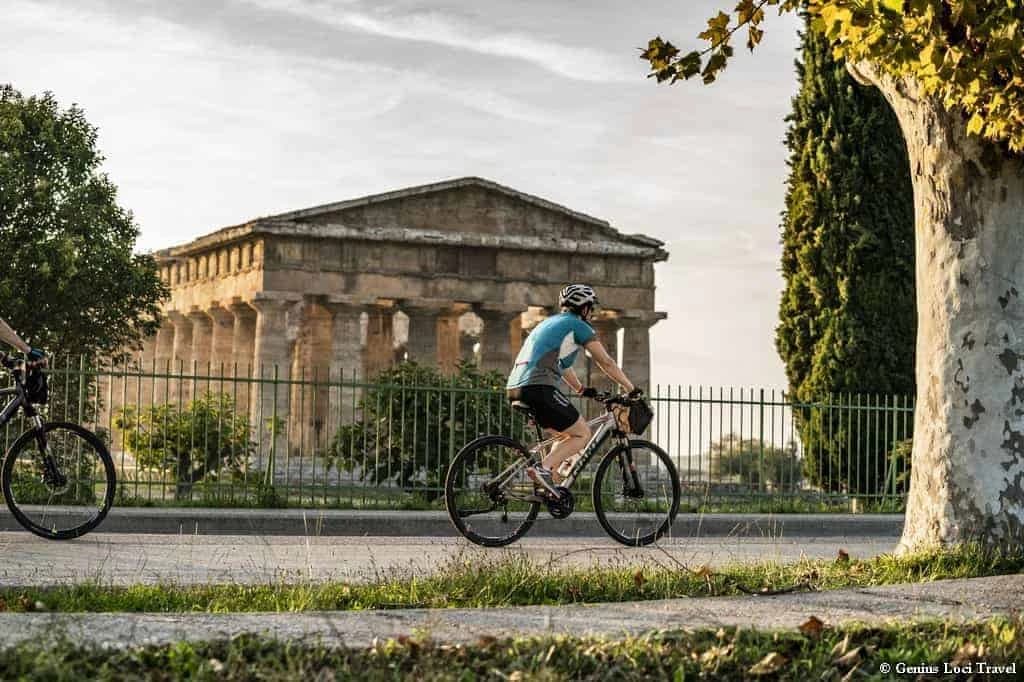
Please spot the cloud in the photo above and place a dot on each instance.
(447, 30)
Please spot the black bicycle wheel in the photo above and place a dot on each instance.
(636, 516)
(66, 491)
(485, 511)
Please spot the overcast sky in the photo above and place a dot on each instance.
(212, 113)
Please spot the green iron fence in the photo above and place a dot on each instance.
(228, 436)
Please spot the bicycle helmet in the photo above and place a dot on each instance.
(575, 296)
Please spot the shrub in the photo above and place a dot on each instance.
(414, 419)
(207, 438)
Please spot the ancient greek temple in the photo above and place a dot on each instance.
(455, 270)
(328, 287)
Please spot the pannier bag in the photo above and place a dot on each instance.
(36, 388)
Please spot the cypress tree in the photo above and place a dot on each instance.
(847, 314)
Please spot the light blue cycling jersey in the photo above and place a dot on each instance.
(549, 350)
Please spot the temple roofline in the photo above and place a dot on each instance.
(649, 246)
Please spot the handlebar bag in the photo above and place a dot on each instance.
(36, 387)
(640, 416)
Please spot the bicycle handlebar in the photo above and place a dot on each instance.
(609, 399)
(11, 362)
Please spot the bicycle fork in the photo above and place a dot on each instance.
(52, 475)
(630, 477)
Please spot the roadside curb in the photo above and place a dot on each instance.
(330, 522)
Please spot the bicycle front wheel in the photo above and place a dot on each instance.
(63, 490)
(636, 493)
(489, 497)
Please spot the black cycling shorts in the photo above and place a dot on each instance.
(550, 406)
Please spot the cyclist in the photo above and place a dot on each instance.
(8, 336)
(544, 362)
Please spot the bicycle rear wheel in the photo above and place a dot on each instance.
(636, 515)
(484, 509)
(61, 493)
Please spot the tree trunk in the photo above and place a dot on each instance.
(967, 472)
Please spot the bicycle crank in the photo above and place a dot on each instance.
(562, 506)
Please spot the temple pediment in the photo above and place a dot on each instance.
(466, 211)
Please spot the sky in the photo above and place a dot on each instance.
(213, 113)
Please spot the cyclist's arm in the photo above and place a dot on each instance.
(569, 377)
(8, 336)
(607, 365)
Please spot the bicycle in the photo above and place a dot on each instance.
(57, 477)
(493, 502)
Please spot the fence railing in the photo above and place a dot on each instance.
(275, 437)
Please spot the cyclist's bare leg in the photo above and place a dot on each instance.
(569, 442)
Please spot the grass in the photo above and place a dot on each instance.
(510, 580)
(828, 654)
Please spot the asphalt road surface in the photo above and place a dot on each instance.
(110, 558)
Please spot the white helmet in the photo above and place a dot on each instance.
(576, 296)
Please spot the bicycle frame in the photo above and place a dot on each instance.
(602, 427)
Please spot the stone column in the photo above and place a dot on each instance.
(163, 352)
(243, 338)
(516, 334)
(434, 337)
(448, 347)
(346, 364)
(379, 353)
(422, 342)
(636, 349)
(607, 328)
(273, 358)
(202, 343)
(181, 347)
(243, 348)
(501, 337)
(312, 325)
(222, 343)
(181, 355)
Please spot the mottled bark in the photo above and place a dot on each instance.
(967, 479)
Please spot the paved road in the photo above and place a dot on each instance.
(119, 558)
(951, 600)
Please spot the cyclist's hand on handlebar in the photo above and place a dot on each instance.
(36, 357)
(589, 392)
(636, 393)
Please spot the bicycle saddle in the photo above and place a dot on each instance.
(520, 406)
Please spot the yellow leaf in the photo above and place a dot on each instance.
(849, 659)
(976, 123)
(769, 664)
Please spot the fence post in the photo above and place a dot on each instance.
(760, 437)
(268, 476)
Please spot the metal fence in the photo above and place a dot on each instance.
(270, 437)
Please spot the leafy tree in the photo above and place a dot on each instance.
(756, 464)
(953, 72)
(847, 316)
(205, 439)
(70, 282)
(415, 418)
